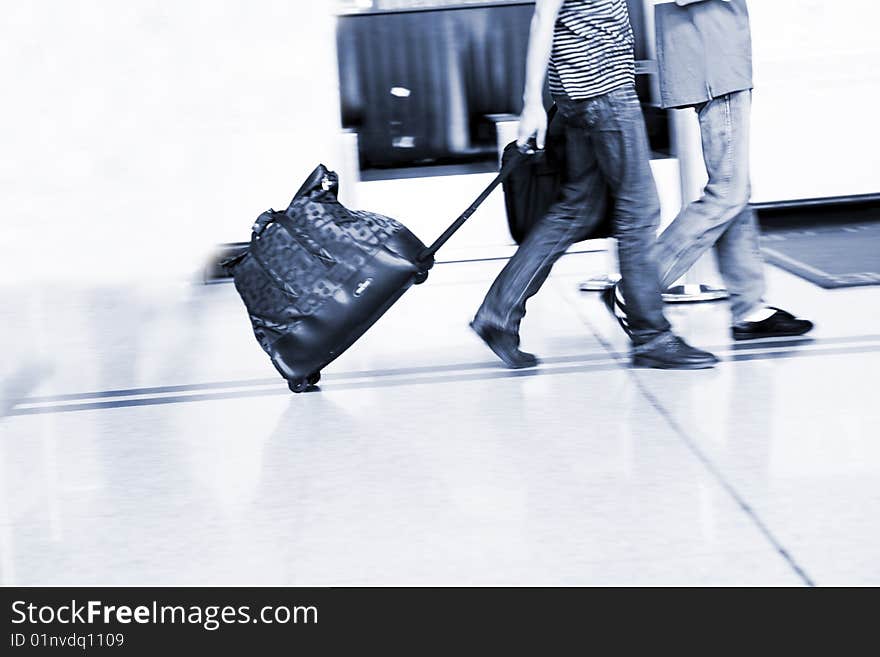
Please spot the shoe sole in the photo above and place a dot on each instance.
(511, 366)
(650, 363)
(777, 334)
(507, 363)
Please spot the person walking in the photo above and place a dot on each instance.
(589, 47)
(704, 55)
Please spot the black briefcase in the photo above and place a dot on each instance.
(533, 187)
(316, 276)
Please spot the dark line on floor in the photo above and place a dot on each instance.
(838, 351)
(758, 344)
(326, 377)
(489, 371)
(148, 401)
(497, 373)
(127, 392)
(335, 376)
(715, 471)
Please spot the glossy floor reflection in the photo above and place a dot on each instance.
(147, 440)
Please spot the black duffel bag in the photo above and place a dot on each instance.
(318, 275)
(533, 186)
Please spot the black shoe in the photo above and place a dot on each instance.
(505, 345)
(779, 324)
(670, 352)
(617, 309)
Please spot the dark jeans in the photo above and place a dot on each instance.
(606, 142)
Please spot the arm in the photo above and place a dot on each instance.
(533, 120)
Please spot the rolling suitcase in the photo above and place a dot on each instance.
(316, 276)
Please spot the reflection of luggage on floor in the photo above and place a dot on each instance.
(316, 276)
(532, 188)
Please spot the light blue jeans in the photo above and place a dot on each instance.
(722, 217)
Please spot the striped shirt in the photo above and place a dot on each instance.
(593, 49)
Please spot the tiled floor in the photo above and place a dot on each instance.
(147, 440)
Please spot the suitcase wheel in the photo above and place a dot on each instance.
(420, 278)
(301, 385)
(298, 386)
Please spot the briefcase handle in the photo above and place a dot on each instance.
(527, 150)
(508, 167)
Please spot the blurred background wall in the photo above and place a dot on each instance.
(418, 86)
(423, 81)
(137, 135)
(817, 98)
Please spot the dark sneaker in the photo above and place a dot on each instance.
(670, 352)
(615, 307)
(779, 324)
(505, 345)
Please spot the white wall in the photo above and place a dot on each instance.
(141, 133)
(817, 92)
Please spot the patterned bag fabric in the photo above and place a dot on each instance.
(317, 276)
(299, 258)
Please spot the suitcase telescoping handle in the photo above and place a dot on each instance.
(511, 164)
